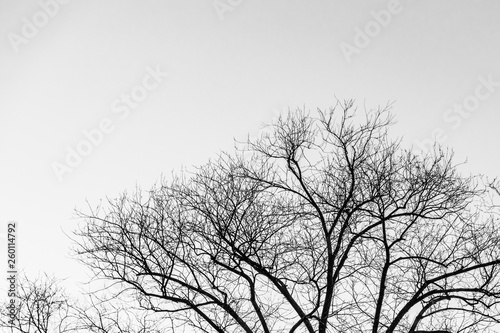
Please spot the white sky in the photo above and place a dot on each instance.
(226, 77)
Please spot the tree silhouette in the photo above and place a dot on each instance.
(41, 306)
(322, 224)
(109, 315)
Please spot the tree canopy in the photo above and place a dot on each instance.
(321, 224)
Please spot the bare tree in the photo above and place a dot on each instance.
(323, 224)
(101, 314)
(42, 306)
(495, 186)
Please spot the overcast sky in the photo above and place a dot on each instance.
(98, 96)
